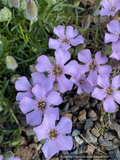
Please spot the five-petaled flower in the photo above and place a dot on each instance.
(108, 91)
(22, 84)
(93, 65)
(65, 40)
(114, 28)
(82, 83)
(55, 140)
(58, 70)
(40, 105)
(110, 7)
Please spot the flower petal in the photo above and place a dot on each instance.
(99, 93)
(21, 95)
(99, 59)
(85, 56)
(116, 95)
(71, 68)
(113, 26)
(39, 92)
(34, 118)
(48, 83)
(64, 84)
(106, 69)
(115, 55)
(11, 158)
(1, 157)
(50, 148)
(110, 38)
(64, 126)
(52, 110)
(41, 132)
(49, 121)
(37, 77)
(66, 140)
(62, 57)
(103, 81)
(54, 43)
(116, 46)
(22, 84)
(116, 82)
(54, 98)
(43, 64)
(59, 31)
(104, 12)
(27, 104)
(109, 104)
(83, 68)
(78, 40)
(92, 78)
(70, 32)
(87, 87)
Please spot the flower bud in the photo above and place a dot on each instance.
(5, 14)
(14, 78)
(31, 10)
(15, 3)
(23, 5)
(86, 22)
(106, 49)
(11, 62)
(32, 68)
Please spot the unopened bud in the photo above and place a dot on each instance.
(106, 49)
(32, 68)
(15, 3)
(31, 10)
(11, 62)
(76, 3)
(86, 22)
(14, 78)
(5, 14)
(23, 5)
(80, 47)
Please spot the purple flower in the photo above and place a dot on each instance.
(65, 40)
(58, 70)
(55, 140)
(22, 84)
(82, 83)
(93, 65)
(1, 157)
(41, 105)
(108, 91)
(116, 50)
(110, 7)
(114, 28)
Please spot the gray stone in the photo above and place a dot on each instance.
(95, 132)
(99, 105)
(79, 140)
(82, 99)
(112, 147)
(67, 105)
(115, 154)
(109, 135)
(104, 142)
(75, 132)
(74, 152)
(88, 124)
(116, 127)
(90, 138)
(74, 109)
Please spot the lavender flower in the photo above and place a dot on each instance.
(108, 91)
(41, 105)
(58, 70)
(114, 28)
(116, 50)
(65, 40)
(55, 140)
(110, 7)
(22, 84)
(82, 83)
(93, 65)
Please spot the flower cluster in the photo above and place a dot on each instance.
(38, 99)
